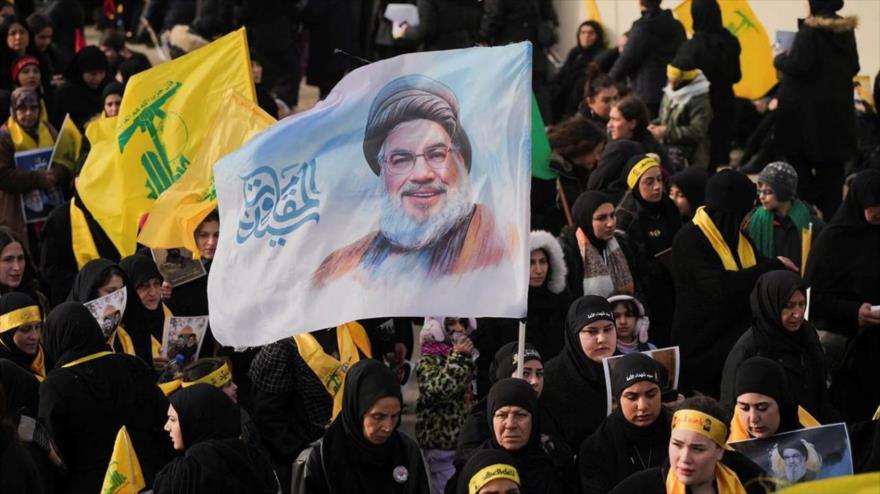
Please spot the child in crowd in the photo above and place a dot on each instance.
(632, 324)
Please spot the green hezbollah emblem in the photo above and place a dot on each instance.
(151, 117)
(744, 23)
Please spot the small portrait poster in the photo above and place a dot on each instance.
(177, 266)
(108, 310)
(669, 359)
(184, 336)
(802, 455)
(36, 204)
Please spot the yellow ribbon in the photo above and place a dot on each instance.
(171, 386)
(23, 141)
(18, 317)
(645, 164)
(84, 248)
(38, 365)
(87, 358)
(124, 340)
(490, 473)
(218, 378)
(744, 249)
(350, 338)
(676, 74)
(701, 423)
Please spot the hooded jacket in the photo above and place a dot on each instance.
(816, 112)
(653, 41)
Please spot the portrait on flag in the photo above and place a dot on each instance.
(404, 192)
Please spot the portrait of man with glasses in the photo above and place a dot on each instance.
(430, 223)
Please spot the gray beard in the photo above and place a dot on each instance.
(406, 232)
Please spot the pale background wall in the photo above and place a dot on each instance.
(618, 16)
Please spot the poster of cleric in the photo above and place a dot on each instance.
(405, 192)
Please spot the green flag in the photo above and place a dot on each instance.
(540, 146)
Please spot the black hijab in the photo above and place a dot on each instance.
(71, 333)
(537, 475)
(504, 362)
(137, 318)
(692, 183)
(351, 462)
(825, 8)
(607, 175)
(482, 459)
(89, 59)
(706, 15)
(22, 391)
(85, 285)
(586, 204)
(730, 196)
(864, 193)
(772, 291)
(583, 311)
(767, 377)
(218, 465)
(10, 302)
(204, 413)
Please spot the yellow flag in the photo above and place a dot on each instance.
(100, 129)
(865, 483)
(164, 115)
(179, 210)
(756, 58)
(68, 144)
(593, 11)
(124, 475)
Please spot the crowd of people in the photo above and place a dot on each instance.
(647, 239)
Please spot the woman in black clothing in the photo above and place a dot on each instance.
(362, 450)
(629, 119)
(651, 220)
(590, 337)
(98, 278)
(600, 93)
(16, 40)
(21, 322)
(568, 86)
(715, 268)
(577, 144)
(512, 408)
(144, 317)
(781, 333)
(635, 436)
(81, 95)
(687, 189)
(698, 461)
(608, 177)
(716, 53)
(205, 423)
(92, 392)
(845, 276)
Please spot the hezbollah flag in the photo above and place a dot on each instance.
(124, 475)
(165, 114)
(756, 57)
(178, 211)
(68, 145)
(540, 146)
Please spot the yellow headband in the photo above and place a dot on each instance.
(701, 423)
(639, 169)
(676, 74)
(490, 473)
(218, 378)
(16, 318)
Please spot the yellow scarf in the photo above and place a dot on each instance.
(739, 429)
(84, 248)
(350, 338)
(124, 340)
(85, 359)
(725, 478)
(13, 320)
(38, 365)
(24, 142)
(155, 344)
(745, 253)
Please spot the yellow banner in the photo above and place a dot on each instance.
(756, 57)
(165, 114)
(68, 145)
(179, 210)
(124, 475)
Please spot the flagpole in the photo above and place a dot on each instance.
(520, 350)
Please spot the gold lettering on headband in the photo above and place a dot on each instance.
(639, 169)
(490, 473)
(701, 423)
(218, 378)
(18, 317)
